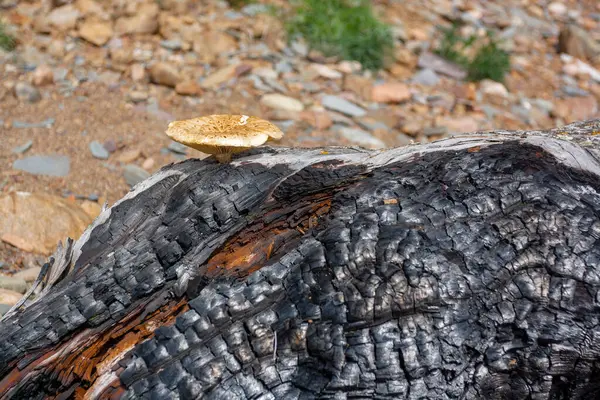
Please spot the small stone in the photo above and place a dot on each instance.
(121, 55)
(391, 92)
(91, 208)
(134, 174)
(109, 78)
(460, 124)
(9, 297)
(137, 96)
(23, 148)
(98, 151)
(326, 72)
(349, 67)
(361, 137)
(493, 88)
(266, 73)
(11, 283)
(165, 74)
(138, 73)
(426, 77)
(412, 128)
(281, 102)
(43, 75)
(56, 48)
(44, 165)
(440, 65)
(148, 164)
(174, 44)
(96, 32)
(47, 123)
(343, 106)
(578, 43)
(110, 145)
(140, 23)
(435, 131)
(360, 85)
(28, 275)
(129, 156)
(178, 148)
(573, 109)
(188, 88)
(25, 92)
(557, 9)
(63, 18)
(218, 77)
(318, 119)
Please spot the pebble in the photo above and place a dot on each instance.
(12, 283)
(47, 123)
(129, 156)
(174, 44)
(23, 148)
(29, 274)
(165, 74)
(391, 92)
(440, 65)
(134, 174)
(26, 92)
(44, 165)
(98, 151)
(148, 164)
(426, 77)
(281, 102)
(343, 106)
(43, 75)
(177, 147)
(110, 145)
(361, 137)
(9, 297)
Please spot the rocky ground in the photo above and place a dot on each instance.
(87, 94)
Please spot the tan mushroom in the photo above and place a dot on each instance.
(223, 135)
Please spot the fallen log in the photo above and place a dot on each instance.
(466, 268)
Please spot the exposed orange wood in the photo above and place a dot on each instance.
(98, 353)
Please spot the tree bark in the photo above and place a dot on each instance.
(462, 269)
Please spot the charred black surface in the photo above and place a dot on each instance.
(460, 273)
(481, 282)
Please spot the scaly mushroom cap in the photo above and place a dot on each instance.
(223, 134)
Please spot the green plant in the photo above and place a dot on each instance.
(342, 28)
(489, 61)
(239, 3)
(453, 45)
(7, 42)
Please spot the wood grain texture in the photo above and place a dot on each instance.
(463, 269)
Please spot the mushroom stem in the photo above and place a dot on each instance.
(223, 158)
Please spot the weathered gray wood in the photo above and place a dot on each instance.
(466, 268)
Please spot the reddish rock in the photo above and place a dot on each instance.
(573, 109)
(188, 88)
(391, 92)
(360, 85)
(43, 75)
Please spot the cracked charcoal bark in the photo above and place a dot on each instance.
(464, 269)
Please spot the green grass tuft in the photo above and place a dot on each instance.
(489, 62)
(342, 28)
(7, 42)
(237, 4)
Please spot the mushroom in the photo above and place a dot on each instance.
(223, 135)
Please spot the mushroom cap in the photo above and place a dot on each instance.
(214, 134)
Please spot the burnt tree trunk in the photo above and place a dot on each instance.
(467, 268)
